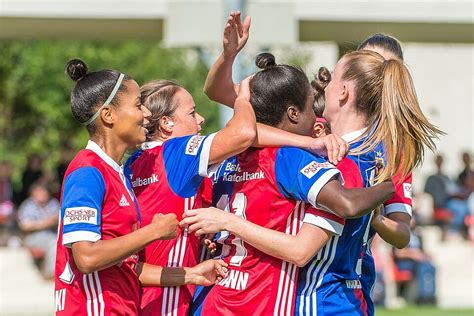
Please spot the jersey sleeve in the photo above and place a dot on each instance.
(186, 161)
(325, 220)
(401, 200)
(81, 207)
(301, 175)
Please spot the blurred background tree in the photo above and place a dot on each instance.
(34, 90)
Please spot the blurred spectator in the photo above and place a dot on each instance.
(6, 201)
(66, 156)
(38, 218)
(419, 285)
(32, 173)
(466, 160)
(447, 196)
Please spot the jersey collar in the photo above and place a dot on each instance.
(353, 135)
(152, 144)
(91, 145)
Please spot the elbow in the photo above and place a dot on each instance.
(245, 136)
(301, 258)
(347, 208)
(86, 264)
(402, 242)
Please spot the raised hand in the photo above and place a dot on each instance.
(166, 226)
(331, 146)
(244, 91)
(236, 34)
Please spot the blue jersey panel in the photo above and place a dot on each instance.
(184, 157)
(301, 175)
(83, 188)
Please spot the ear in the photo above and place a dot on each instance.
(166, 125)
(319, 130)
(107, 114)
(344, 94)
(293, 114)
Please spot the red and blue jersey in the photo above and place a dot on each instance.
(332, 284)
(97, 203)
(167, 178)
(271, 187)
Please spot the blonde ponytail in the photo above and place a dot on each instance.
(394, 115)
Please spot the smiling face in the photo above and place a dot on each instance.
(186, 121)
(130, 115)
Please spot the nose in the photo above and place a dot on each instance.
(200, 120)
(146, 112)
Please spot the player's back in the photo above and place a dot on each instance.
(257, 283)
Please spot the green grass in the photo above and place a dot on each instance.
(423, 311)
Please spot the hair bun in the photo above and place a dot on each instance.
(76, 69)
(321, 80)
(265, 60)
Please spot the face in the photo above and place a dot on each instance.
(307, 117)
(332, 92)
(40, 195)
(185, 118)
(130, 116)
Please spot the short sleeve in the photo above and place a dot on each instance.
(401, 200)
(83, 194)
(186, 161)
(301, 175)
(325, 220)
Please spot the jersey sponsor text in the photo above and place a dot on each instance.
(236, 280)
(84, 214)
(138, 182)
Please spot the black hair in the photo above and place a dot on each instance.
(275, 88)
(91, 91)
(384, 41)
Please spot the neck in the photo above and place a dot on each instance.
(113, 147)
(348, 122)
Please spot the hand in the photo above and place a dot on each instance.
(205, 220)
(166, 226)
(244, 89)
(236, 34)
(208, 272)
(208, 243)
(377, 217)
(331, 146)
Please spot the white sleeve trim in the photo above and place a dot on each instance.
(80, 235)
(319, 184)
(398, 208)
(325, 223)
(204, 169)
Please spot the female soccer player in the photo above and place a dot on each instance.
(335, 271)
(98, 270)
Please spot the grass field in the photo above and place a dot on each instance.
(424, 311)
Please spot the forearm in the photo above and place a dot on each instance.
(239, 133)
(219, 86)
(94, 256)
(268, 136)
(151, 275)
(394, 229)
(276, 244)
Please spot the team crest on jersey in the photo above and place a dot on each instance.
(407, 190)
(123, 201)
(74, 215)
(313, 167)
(193, 144)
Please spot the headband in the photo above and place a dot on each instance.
(107, 102)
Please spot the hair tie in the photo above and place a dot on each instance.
(107, 102)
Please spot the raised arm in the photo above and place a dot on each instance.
(239, 133)
(219, 86)
(393, 228)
